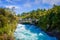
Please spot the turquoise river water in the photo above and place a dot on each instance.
(30, 32)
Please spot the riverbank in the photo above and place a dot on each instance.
(57, 34)
(52, 33)
(6, 37)
(8, 23)
(9, 35)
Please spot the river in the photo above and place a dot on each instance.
(30, 32)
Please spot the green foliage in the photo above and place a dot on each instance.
(18, 15)
(8, 21)
(47, 19)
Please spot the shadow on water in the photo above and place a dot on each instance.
(31, 32)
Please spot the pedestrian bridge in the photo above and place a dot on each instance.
(30, 21)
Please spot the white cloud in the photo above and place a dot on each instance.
(12, 6)
(13, 1)
(8, 0)
(27, 5)
(17, 0)
(37, 1)
(16, 8)
(51, 2)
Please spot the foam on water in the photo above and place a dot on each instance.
(30, 32)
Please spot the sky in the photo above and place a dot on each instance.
(21, 6)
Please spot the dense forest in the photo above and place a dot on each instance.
(8, 22)
(48, 20)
